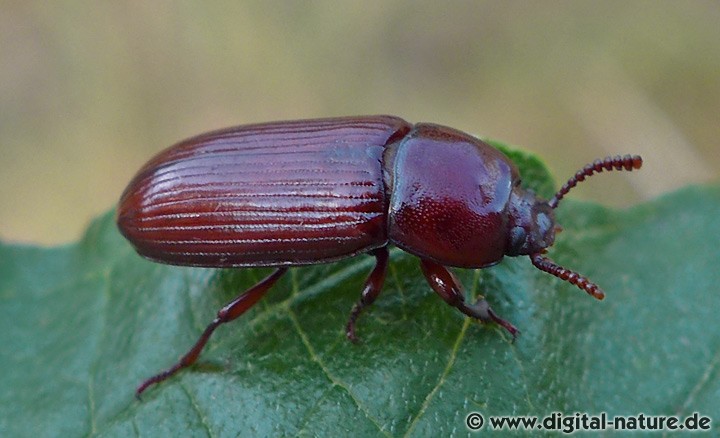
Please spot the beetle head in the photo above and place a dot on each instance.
(532, 222)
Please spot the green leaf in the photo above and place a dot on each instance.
(81, 325)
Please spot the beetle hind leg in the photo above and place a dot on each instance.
(445, 284)
(229, 312)
(373, 286)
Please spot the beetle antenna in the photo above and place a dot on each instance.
(545, 264)
(627, 162)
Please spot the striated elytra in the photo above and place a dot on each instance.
(304, 192)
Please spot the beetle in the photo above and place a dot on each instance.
(305, 192)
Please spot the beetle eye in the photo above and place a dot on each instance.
(518, 239)
(543, 221)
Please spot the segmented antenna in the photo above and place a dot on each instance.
(545, 264)
(627, 162)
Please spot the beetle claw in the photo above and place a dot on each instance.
(482, 311)
(350, 332)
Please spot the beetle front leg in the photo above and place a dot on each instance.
(373, 286)
(230, 311)
(445, 284)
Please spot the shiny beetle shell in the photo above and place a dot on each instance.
(304, 192)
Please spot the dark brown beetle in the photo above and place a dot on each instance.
(305, 192)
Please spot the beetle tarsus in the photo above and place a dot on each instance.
(371, 290)
(481, 310)
(445, 284)
(157, 378)
(188, 359)
(229, 312)
(350, 328)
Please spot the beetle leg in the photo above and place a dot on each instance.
(445, 284)
(230, 311)
(370, 292)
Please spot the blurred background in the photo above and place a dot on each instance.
(89, 91)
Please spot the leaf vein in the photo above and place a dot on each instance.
(308, 413)
(442, 378)
(448, 367)
(704, 379)
(334, 380)
(196, 408)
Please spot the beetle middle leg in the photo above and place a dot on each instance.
(373, 286)
(445, 284)
(229, 312)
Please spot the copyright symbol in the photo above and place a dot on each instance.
(474, 421)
